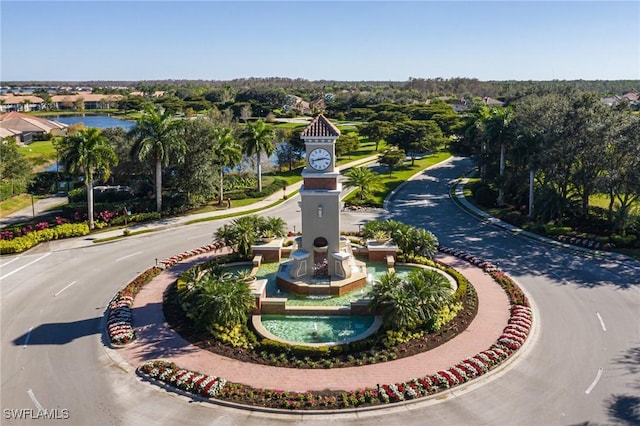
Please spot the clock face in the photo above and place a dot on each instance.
(320, 159)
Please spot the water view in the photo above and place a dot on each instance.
(316, 329)
(268, 271)
(98, 121)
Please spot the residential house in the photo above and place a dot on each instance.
(493, 102)
(85, 100)
(11, 102)
(22, 126)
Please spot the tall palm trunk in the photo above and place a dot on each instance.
(259, 168)
(531, 175)
(158, 185)
(221, 191)
(501, 191)
(89, 185)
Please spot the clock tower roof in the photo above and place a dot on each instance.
(320, 127)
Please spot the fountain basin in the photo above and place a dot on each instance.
(316, 330)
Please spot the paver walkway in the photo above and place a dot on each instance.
(155, 340)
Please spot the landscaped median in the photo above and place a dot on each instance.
(119, 318)
(213, 387)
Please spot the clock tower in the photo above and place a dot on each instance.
(319, 253)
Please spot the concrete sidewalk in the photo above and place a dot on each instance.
(172, 222)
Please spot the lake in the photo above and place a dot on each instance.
(98, 121)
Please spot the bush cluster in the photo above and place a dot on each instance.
(25, 242)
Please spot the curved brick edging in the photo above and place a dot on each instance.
(119, 324)
(157, 341)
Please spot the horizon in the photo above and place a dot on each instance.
(352, 41)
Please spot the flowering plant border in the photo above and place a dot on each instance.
(511, 340)
(186, 380)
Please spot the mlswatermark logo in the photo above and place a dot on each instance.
(31, 414)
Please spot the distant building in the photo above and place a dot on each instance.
(493, 102)
(85, 100)
(22, 127)
(11, 102)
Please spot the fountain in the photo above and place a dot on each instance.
(322, 262)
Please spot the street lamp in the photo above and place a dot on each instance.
(33, 208)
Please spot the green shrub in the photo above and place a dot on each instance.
(274, 346)
(486, 196)
(444, 315)
(135, 218)
(551, 229)
(626, 241)
(309, 351)
(20, 244)
(514, 218)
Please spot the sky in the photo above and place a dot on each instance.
(61, 40)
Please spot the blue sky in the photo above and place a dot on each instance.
(316, 40)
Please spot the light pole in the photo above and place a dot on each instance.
(33, 208)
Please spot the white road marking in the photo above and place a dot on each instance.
(24, 266)
(199, 236)
(595, 382)
(26, 339)
(11, 261)
(127, 256)
(64, 289)
(601, 321)
(35, 401)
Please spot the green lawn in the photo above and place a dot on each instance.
(596, 200)
(39, 150)
(14, 204)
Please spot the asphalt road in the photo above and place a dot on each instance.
(584, 366)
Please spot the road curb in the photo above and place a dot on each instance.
(457, 196)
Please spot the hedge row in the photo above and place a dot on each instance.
(20, 244)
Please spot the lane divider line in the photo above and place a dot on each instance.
(26, 339)
(11, 261)
(64, 289)
(35, 401)
(601, 321)
(199, 236)
(128, 256)
(25, 266)
(595, 382)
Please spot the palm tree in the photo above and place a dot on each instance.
(364, 179)
(88, 152)
(258, 140)
(422, 242)
(241, 234)
(226, 152)
(407, 303)
(391, 298)
(474, 135)
(431, 289)
(496, 127)
(217, 298)
(157, 135)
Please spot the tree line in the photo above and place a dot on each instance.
(194, 156)
(547, 155)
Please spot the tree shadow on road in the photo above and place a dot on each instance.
(154, 338)
(59, 333)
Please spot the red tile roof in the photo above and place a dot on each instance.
(320, 127)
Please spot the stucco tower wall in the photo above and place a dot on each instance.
(324, 224)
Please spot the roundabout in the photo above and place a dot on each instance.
(582, 367)
(156, 341)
